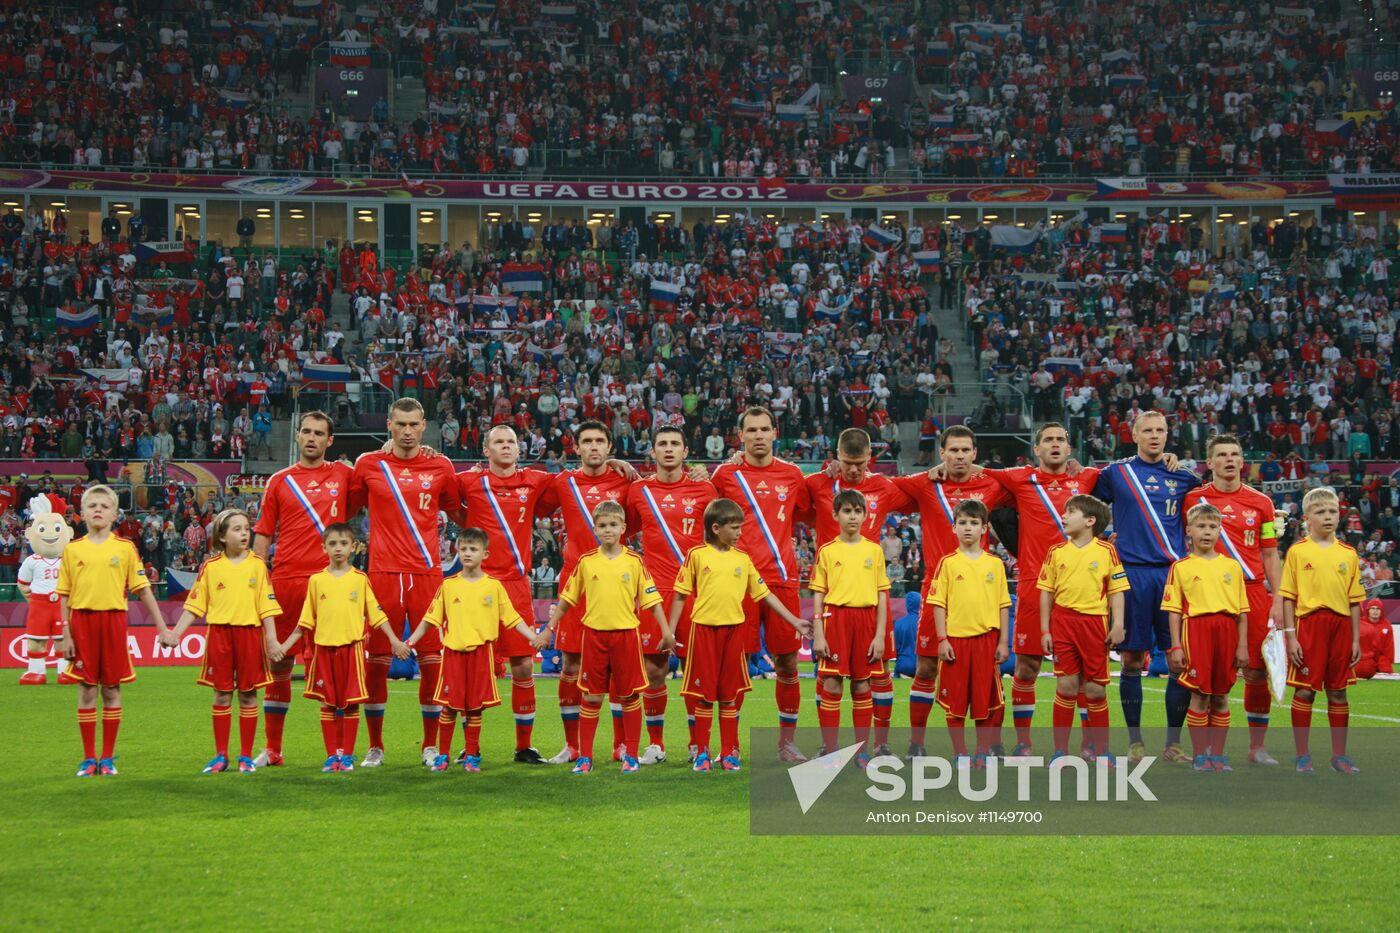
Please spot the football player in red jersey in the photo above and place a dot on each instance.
(668, 508)
(882, 496)
(297, 505)
(1247, 534)
(772, 492)
(404, 493)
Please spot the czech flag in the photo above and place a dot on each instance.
(521, 277)
(80, 323)
(163, 251)
(929, 260)
(879, 239)
(333, 373)
(1113, 233)
(665, 294)
(1119, 187)
(178, 583)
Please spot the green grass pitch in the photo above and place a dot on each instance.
(164, 847)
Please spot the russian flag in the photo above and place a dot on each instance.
(1225, 293)
(1113, 233)
(749, 109)
(792, 113)
(1127, 80)
(939, 54)
(80, 323)
(879, 239)
(350, 54)
(929, 260)
(560, 13)
(665, 294)
(483, 7)
(235, 99)
(220, 30)
(335, 373)
(940, 121)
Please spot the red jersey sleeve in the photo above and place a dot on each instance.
(271, 508)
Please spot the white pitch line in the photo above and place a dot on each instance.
(1240, 701)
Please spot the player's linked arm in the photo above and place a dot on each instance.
(775, 604)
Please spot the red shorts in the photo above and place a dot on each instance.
(291, 596)
(1025, 634)
(611, 662)
(1081, 644)
(1326, 641)
(511, 644)
(569, 636)
(849, 631)
(1261, 603)
(890, 653)
(468, 679)
(970, 684)
(765, 628)
(716, 670)
(650, 632)
(43, 619)
(336, 675)
(101, 654)
(1208, 646)
(235, 658)
(405, 596)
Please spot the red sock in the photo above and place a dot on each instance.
(522, 704)
(654, 708)
(247, 730)
(588, 726)
(882, 697)
(277, 699)
(471, 732)
(447, 722)
(862, 712)
(1302, 723)
(1198, 724)
(788, 694)
(330, 730)
(631, 724)
(1219, 730)
(87, 730)
(1022, 708)
(111, 724)
(829, 719)
(1062, 720)
(1256, 711)
(921, 695)
(1098, 725)
(1338, 715)
(377, 686)
(729, 730)
(691, 705)
(704, 718)
(349, 729)
(429, 670)
(223, 720)
(957, 733)
(570, 698)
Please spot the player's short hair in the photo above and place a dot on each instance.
(218, 530)
(318, 415)
(1148, 416)
(1220, 440)
(756, 411)
(669, 429)
(853, 442)
(592, 424)
(1049, 425)
(721, 512)
(406, 404)
(609, 508)
(1091, 507)
(504, 427)
(957, 430)
(847, 497)
(473, 536)
(1202, 510)
(971, 508)
(337, 528)
(102, 490)
(1322, 495)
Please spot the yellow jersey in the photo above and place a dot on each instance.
(1203, 586)
(612, 588)
(100, 576)
(850, 574)
(719, 580)
(1315, 576)
(337, 608)
(973, 591)
(233, 593)
(471, 612)
(1082, 578)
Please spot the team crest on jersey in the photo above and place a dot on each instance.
(626, 577)
(991, 576)
(1171, 485)
(524, 495)
(1228, 577)
(354, 595)
(252, 583)
(488, 601)
(1093, 565)
(1342, 569)
(738, 571)
(425, 480)
(333, 489)
(115, 561)
(782, 493)
(869, 563)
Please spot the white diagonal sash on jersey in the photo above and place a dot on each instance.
(1230, 546)
(1049, 506)
(407, 516)
(944, 503)
(305, 504)
(582, 507)
(1145, 505)
(661, 523)
(505, 525)
(762, 524)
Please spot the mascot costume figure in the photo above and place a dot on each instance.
(48, 534)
